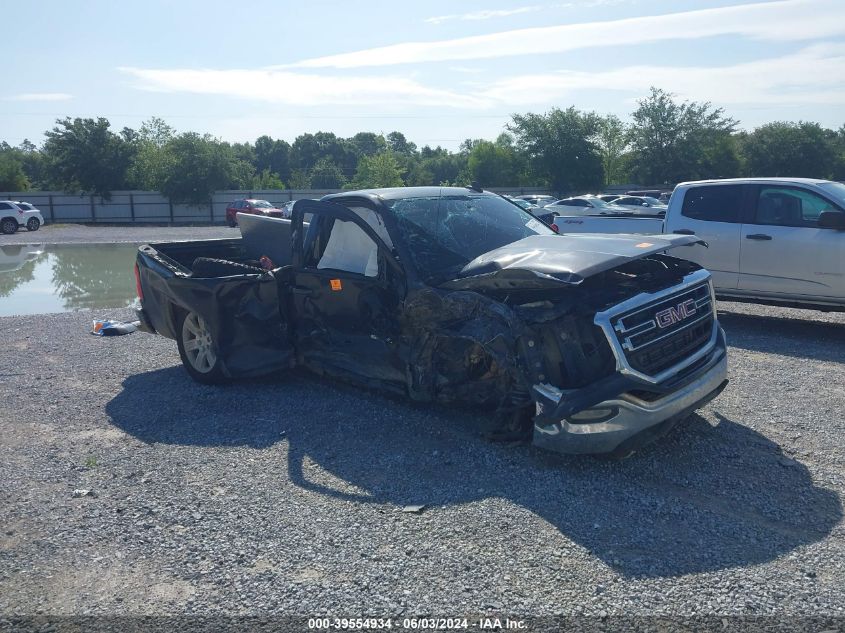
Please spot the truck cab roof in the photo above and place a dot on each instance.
(758, 180)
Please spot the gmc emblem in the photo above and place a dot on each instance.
(675, 314)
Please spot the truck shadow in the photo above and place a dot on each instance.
(705, 498)
(797, 337)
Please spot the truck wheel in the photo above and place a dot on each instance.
(9, 225)
(198, 350)
(32, 224)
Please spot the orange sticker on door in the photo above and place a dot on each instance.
(336, 284)
(643, 245)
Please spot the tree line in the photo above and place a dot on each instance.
(566, 150)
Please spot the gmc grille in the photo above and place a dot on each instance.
(662, 334)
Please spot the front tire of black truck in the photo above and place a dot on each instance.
(198, 349)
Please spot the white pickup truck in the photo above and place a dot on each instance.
(770, 240)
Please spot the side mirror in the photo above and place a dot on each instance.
(646, 204)
(832, 220)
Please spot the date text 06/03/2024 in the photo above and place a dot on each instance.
(416, 624)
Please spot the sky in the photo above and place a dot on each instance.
(439, 71)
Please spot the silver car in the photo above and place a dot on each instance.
(641, 205)
(586, 205)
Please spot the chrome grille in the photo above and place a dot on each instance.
(662, 334)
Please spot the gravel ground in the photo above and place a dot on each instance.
(97, 234)
(285, 495)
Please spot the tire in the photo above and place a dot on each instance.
(198, 350)
(9, 226)
(33, 224)
(231, 222)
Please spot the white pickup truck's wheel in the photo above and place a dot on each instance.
(32, 224)
(198, 349)
(9, 225)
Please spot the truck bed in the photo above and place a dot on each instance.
(183, 254)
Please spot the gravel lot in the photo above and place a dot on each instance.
(285, 495)
(97, 234)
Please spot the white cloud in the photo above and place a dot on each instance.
(503, 13)
(809, 76)
(298, 88)
(482, 15)
(467, 70)
(783, 20)
(40, 96)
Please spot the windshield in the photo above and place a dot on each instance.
(262, 204)
(835, 189)
(446, 233)
(651, 200)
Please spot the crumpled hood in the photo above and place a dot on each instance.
(547, 260)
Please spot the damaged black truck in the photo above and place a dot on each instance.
(592, 343)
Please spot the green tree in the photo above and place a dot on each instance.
(493, 164)
(267, 180)
(560, 148)
(272, 155)
(837, 141)
(367, 144)
(12, 176)
(397, 143)
(299, 179)
(669, 140)
(403, 150)
(245, 152)
(200, 165)
(326, 174)
(781, 148)
(720, 157)
(308, 149)
(32, 161)
(379, 170)
(436, 167)
(151, 162)
(611, 140)
(419, 174)
(85, 155)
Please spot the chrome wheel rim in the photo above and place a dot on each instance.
(196, 339)
(33, 224)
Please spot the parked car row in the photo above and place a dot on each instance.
(15, 214)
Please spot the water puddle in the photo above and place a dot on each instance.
(38, 278)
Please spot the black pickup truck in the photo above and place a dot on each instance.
(595, 343)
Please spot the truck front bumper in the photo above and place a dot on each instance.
(627, 422)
